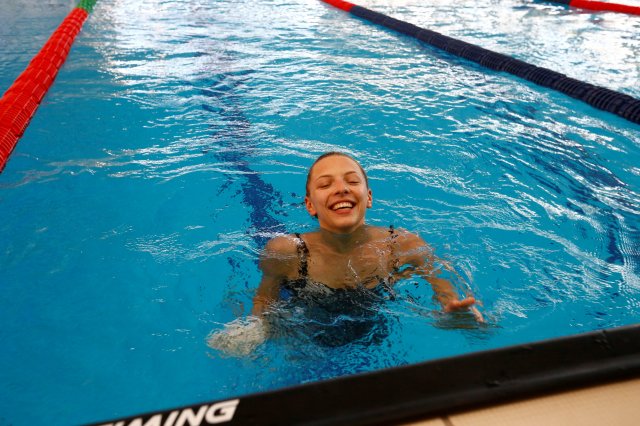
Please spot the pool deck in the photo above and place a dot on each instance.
(616, 404)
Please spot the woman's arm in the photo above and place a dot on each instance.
(277, 262)
(414, 251)
(242, 336)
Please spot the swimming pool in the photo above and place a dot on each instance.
(176, 140)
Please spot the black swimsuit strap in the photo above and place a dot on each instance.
(392, 246)
(303, 255)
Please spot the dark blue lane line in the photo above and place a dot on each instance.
(236, 146)
(556, 171)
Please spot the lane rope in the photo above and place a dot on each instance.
(622, 105)
(20, 102)
(600, 6)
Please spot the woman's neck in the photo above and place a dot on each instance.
(344, 243)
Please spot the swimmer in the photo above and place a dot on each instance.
(343, 254)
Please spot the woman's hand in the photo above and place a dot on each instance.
(467, 304)
(239, 338)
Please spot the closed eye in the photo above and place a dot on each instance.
(323, 183)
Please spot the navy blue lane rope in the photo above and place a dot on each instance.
(599, 97)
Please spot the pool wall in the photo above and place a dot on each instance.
(427, 389)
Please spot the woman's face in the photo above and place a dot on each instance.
(338, 194)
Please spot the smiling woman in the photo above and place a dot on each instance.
(339, 271)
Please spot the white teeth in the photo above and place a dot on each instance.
(341, 205)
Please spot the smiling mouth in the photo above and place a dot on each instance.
(342, 205)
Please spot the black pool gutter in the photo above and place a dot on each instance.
(428, 389)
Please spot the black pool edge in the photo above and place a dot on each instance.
(428, 389)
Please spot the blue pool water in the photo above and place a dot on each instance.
(176, 139)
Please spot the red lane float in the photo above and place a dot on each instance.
(340, 4)
(21, 100)
(604, 6)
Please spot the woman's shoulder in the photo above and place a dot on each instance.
(412, 248)
(280, 256)
(397, 234)
(283, 244)
(406, 242)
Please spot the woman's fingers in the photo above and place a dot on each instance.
(457, 305)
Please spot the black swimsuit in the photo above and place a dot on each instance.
(336, 316)
(303, 270)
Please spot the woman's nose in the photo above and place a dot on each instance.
(342, 187)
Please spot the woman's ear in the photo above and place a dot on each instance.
(370, 199)
(309, 205)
